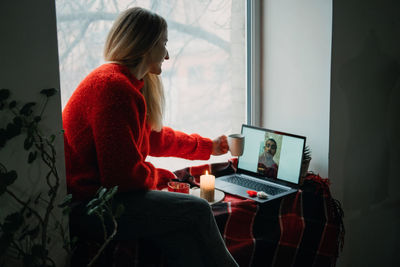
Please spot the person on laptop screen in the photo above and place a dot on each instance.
(266, 164)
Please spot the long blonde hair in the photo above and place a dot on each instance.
(133, 34)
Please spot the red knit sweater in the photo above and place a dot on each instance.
(107, 138)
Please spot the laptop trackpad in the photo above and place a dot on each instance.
(221, 184)
(233, 189)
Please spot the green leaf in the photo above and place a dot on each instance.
(32, 156)
(26, 110)
(92, 210)
(17, 121)
(10, 177)
(114, 190)
(66, 201)
(34, 232)
(92, 202)
(98, 190)
(30, 128)
(12, 104)
(4, 94)
(12, 130)
(3, 137)
(52, 138)
(12, 222)
(102, 191)
(307, 153)
(6, 179)
(66, 210)
(37, 118)
(25, 229)
(3, 188)
(108, 197)
(48, 92)
(111, 193)
(28, 142)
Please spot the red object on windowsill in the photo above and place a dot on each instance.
(178, 187)
(252, 193)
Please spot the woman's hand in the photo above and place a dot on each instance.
(220, 146)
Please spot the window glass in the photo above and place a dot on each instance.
(205, 77)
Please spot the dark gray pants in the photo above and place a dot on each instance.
(182, 225)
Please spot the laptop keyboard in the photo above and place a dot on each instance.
(271, 190)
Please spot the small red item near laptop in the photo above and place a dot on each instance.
(252, 193)
(178, 187)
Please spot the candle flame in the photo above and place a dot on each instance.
(206, 172)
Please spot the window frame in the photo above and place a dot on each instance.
(253, 61)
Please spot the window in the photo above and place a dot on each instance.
(205, 78)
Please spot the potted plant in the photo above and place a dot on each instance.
(306, 161)
(29, 222)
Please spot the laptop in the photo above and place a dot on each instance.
(271, 162)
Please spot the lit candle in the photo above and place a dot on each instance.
(207, 185)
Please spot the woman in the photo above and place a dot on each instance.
(113, 121)
(266, 164)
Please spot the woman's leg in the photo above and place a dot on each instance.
(182, 224)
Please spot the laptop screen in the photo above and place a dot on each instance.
(272, 154)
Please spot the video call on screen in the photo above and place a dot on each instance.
(272, 155)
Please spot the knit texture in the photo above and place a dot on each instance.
(107, 138)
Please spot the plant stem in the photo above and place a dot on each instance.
(37, 215)
(108, 240)
(49, 160)
(18, 248)
(44, 106)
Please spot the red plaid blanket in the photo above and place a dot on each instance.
(301, 229)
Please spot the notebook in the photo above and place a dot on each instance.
(271, 162)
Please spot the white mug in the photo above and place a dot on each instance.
(236, 144)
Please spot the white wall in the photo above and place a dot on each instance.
(365, 129)
(296, 54)
(29, 63)
(358, 117)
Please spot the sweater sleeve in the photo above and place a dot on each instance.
(117, 121)
(170, 143)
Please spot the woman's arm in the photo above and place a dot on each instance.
(170, 143)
